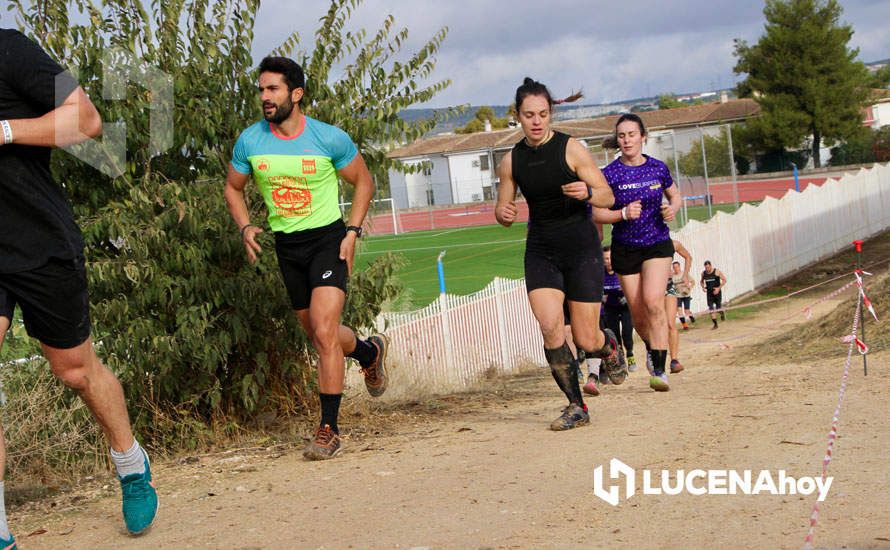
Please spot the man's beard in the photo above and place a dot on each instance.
(280, 113)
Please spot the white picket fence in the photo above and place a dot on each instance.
(452, 343)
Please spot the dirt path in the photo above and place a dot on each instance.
(487, 473)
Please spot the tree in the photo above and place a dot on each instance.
(181, 317)
(717, 153)
(804, 75)
(856, 149)
(477, 123)
(669, 101)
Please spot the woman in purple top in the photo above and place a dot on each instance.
(641, 241)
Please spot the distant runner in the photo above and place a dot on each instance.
(683, 284)
(670, 306)
(712, 281)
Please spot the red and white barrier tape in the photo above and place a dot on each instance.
(832, 433)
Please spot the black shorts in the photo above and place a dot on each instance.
(310, 259)
(54, 301)
(570, 260)
(715, 302)
(628, 260)
(685, 302)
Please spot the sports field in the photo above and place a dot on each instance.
(473, 255)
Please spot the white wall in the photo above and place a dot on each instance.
(468, 180)
(410, 190)
(881, 114)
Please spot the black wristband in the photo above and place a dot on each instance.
(243, 228)
(589, 192)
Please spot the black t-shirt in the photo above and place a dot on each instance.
(36, 221)
(540, 172)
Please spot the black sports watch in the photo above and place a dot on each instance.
(356, 229)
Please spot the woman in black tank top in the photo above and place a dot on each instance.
(563, 260)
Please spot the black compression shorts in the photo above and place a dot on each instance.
(628, 260)
(569, 259)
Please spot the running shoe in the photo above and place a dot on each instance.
(660, 382)
(572, 416)
(649, 365)
(8, 544)
(325, 444)
(616, 365)
(603, 377)
(631, 363)
(676, 366)
(722, 316)
(375, 372)
(140, 500)
(591, 386)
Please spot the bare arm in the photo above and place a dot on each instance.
(722, 278)
(593, 187)
(675, 202)
(505, 210)
(234, 194)
(687, 257)
(356, 174)
(74, 121)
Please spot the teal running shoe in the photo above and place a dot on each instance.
(140, 500)
(8, 544)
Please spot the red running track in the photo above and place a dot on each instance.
(483, 213)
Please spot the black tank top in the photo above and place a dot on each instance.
(540, 173)
(711, 279)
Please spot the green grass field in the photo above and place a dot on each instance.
(474, 255)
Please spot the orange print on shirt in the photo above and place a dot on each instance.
(308, 166)
(291, 196)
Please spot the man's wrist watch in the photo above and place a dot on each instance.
(355, 229)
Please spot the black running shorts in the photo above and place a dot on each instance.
(628, 260)
(54, 301)
(310, 259)
(715, 302)
(569, 259)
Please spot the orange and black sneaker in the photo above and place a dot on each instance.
(676, 366)
(375, 372)
(324, 445)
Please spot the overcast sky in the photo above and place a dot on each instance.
(614, 49)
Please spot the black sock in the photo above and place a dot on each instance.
(682, 320)
(564, 370)
(714, 320)
(364, 352)
(659, 357)
(692, 318)
(330, 408)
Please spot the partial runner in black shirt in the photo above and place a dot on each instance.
(563, 256)
(42, 268)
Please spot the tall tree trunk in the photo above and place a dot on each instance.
(817, 144)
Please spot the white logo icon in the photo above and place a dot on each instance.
(705, 482)
(327, 274)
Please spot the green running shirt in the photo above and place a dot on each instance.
(297, 176)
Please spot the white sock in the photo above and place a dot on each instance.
(131, 461)
(593, 365)
(4, 528)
